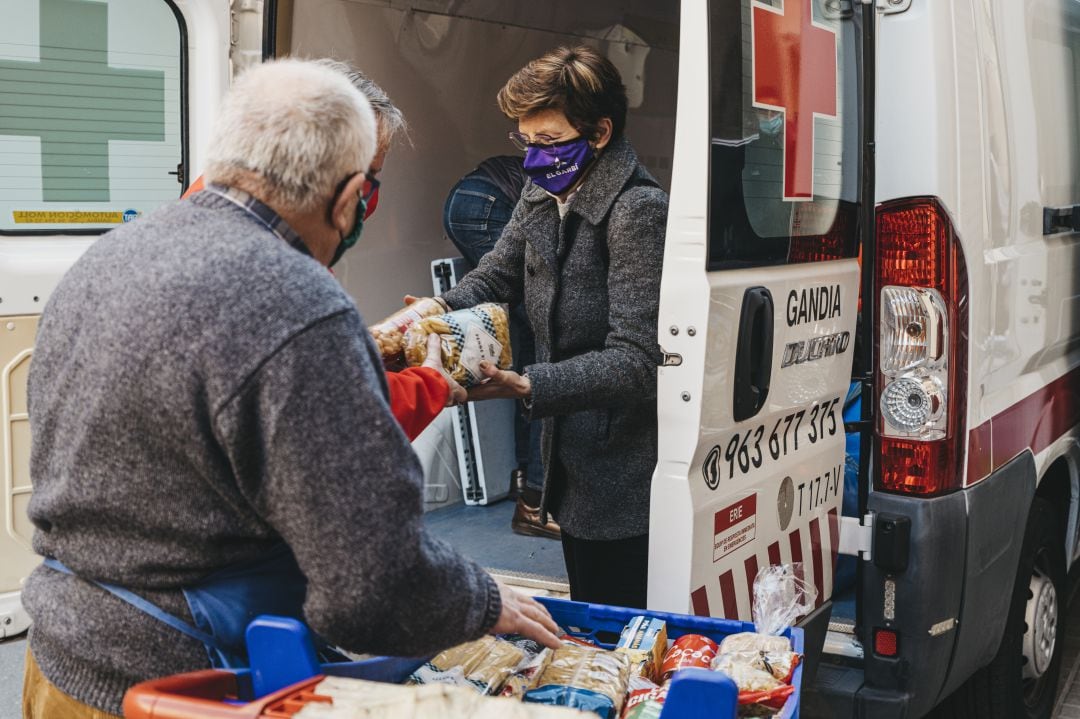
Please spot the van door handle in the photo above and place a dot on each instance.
(753, 354)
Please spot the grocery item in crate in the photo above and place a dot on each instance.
(754, 642)
(644, 641)
(645, 703)
(469, 337)
(586, 678)
(359, 699)
(760, 693)
(762, 664)
(781, 596)
(689, 650)
(527, 674)
(484, 665)
(389, 334)
(763, 678)
(780, 665)
(580, 641)
(746, 676)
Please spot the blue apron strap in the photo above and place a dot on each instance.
(139, 603)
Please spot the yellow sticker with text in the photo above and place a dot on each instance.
(66, 217)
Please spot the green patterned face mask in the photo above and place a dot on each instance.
(353, 237)
(368, 197)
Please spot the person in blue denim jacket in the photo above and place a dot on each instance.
(478, 207)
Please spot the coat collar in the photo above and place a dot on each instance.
(609, 174)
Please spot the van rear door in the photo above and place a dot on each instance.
(95, 123)
(759, 300)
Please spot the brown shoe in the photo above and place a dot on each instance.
(527, 511)
(527, 521)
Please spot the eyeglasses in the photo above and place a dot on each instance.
(522, 142)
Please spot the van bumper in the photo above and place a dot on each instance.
(840, 691)
(951, 602)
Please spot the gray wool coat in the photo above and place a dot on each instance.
(591, 287)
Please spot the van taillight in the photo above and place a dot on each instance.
(921, 348)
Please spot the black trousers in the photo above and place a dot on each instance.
(614, 572)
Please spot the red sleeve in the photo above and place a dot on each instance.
(198, 186)
(417, 395)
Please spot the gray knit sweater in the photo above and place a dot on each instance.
(200, 391)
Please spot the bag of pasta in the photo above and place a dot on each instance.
(469, 337)
(389, 334)
(587, 678)
(483, 665)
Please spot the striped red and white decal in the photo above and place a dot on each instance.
(1034, 423)
(722, 597)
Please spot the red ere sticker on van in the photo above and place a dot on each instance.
(734, 526)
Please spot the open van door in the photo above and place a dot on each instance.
(759, 301)
(100, 102)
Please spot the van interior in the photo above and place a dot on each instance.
(443, 63)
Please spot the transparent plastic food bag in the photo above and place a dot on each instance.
(468, 337)
(781, 596)
(483, 665)
(586, 678)
(762, 663)
(389, 334)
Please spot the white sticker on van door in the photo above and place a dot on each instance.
(734, 526)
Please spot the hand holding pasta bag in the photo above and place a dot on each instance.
(389, 334)
(469, 337)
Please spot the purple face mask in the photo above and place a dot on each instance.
(557, 167)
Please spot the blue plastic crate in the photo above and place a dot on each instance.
(282, 654)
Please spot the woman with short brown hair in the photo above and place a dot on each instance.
(583, 250)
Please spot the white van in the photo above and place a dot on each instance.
(870, 287)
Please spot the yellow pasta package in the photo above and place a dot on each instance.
(468, 337)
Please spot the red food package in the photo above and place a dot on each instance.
(645, 703)
(773, 698)
(580, 641)
(689, 650)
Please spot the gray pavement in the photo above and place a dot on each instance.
(1068, 703)
(11, 670)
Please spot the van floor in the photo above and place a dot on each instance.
(843, 607)
(483, 534)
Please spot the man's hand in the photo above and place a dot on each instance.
(501, 384)
(457, 394)
(521, 614)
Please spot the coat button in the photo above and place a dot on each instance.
(530, 269)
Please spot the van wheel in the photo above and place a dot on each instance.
(1021, 682)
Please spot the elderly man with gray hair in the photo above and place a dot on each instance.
(211, 437)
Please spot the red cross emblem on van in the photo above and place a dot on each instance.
(795, 70)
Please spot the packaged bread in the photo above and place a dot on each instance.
(389, 334)
(585, 678)
(468, 337)
(644, 641)
(780, 665)
(761, 693)
(754, 642)
(484, 665)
